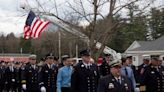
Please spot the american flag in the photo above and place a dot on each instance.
(34, 26)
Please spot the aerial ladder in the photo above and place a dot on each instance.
(65, 26)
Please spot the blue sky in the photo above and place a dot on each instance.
(12, 17)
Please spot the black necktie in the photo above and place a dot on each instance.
(126, 72)
(88, 67)
(118, 81)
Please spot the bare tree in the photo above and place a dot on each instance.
(91, 11)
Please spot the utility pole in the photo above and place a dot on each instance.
(76, 50)
(59, 34)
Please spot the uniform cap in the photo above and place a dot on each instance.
(32, 56)
(64, 57)
(50, 55)
(115, 63)
(85, 52)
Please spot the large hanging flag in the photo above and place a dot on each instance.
(34, 26)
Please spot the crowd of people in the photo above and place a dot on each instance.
(84, 76)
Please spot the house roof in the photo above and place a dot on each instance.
(156, 45)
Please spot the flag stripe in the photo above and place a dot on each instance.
(26, 32)
(39, 29)
(44, 26)
(38, 26)
(35, 27)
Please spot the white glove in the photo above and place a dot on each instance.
(43, 89)
(137, 90)
(24, 86)
(13, 80)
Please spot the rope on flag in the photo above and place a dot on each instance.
(34, 26)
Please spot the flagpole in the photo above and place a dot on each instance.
(59, 45)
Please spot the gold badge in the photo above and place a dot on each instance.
(111, 86)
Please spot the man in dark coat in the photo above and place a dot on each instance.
(85, 75)
(10, 77)
(141, 69)
(114, 82)
(153, 78)
(105, 68)
(2, 75)
(48, 74)
(30, 78)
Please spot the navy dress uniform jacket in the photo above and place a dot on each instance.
(83, 79)
(140, 71)
(10, 78)
(153, 79)
(109, 84)
(48, 78)
(104, 69)
(31, 76)
(2, 78)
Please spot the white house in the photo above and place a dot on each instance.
(140, 49)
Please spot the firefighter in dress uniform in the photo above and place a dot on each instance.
(85, 75)
(153, 78)
(17, 76)
(114, 82)
(10, 77)
(2, 75)
(141, 69)
(48, 74)
(30, 78)
(105, 68)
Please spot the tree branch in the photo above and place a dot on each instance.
(123, 6)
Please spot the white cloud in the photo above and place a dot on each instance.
(12, 24)
(10, 17)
